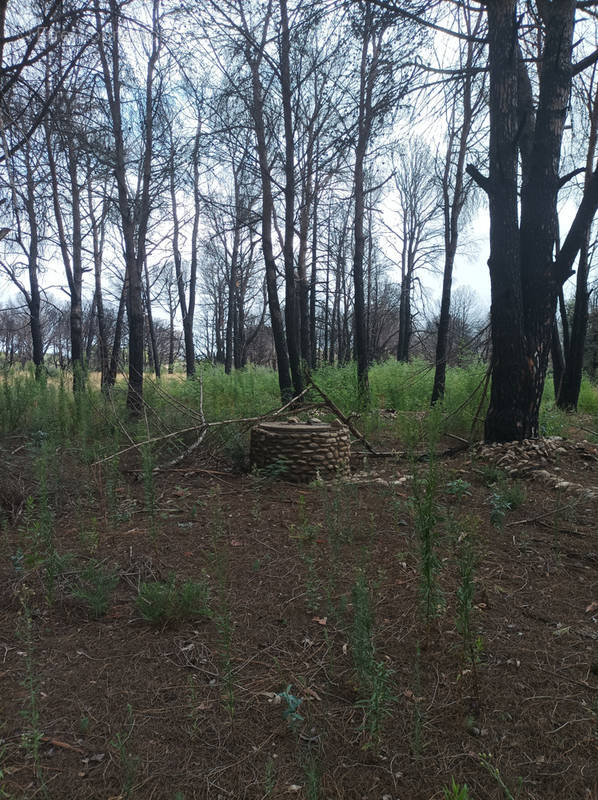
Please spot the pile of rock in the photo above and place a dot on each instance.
(301, 451)
(530, 457)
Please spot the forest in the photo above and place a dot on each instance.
(273, 184)
(285, 510)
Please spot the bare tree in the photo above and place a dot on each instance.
(525, 272)
(134, 206)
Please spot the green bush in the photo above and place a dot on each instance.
(93, 587)
(161, 602)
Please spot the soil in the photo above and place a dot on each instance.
(115, 707)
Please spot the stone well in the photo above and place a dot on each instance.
(304, 450)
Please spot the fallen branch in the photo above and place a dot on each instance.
(202, 428)
(344, 419)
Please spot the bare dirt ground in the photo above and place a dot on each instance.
(114, 707)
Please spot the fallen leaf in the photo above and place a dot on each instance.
(294, 787)
(592, 607)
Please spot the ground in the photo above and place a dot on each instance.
(318, 671)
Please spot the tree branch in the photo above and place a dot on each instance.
(570, 175)
(577, 231)
(584, 63)
(480, 179)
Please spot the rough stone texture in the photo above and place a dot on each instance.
(530, 457)
(302, 451)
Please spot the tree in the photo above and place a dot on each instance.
(568, 376)
(134, 207)
(464, 106)
(525, 272)
(419, 205)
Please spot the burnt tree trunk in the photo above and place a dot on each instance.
(257, 112)
(291, 307)
(525, 275)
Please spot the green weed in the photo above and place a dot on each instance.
(378, 705)
(164, 602)
(269, 777)
(149, 487)
(417, 732)
(129, 763)
(93, 586)
(486, 762)
(361, 633)
(456, 792)
(32, 735)
(291, 708)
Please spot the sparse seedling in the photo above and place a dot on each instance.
(311, 770)
(486, 762)
(378, 706)
(291, 710)
(456, 791)
(161, 602)
(129, 762)
(270, 777)
(225, 625)
(31, 737)
(458, 488)
(149, 487)
(93, 587)
(504, 498)
(361, 634)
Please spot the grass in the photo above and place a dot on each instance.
(163, 602)
(332, 536)
(48, 407)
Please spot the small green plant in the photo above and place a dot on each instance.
(378, 706)
(456, 792)
(458, 488)
(3, 793)
(465, 589)
(291, 710)
(270, 777)
(93, 587)
(499, 506)
(361, 633)
(486, 761)
(504, 498)
(84, 725)
(425, 513)
(129, 762)
(311, 770)
(417, 734)
(149, 487)
(32, 735)
(225, 625)
(276, 470)
(163, 602)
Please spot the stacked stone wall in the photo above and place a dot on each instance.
(301, 452)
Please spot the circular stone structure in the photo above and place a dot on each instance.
(301, 451)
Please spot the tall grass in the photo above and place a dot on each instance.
(398, 391)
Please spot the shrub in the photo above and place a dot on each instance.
(161, 602)
(93, 586)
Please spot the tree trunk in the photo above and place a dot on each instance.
(257, 111)
(291, 307)
(452, 208)
(34, 297)
(114, 363)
